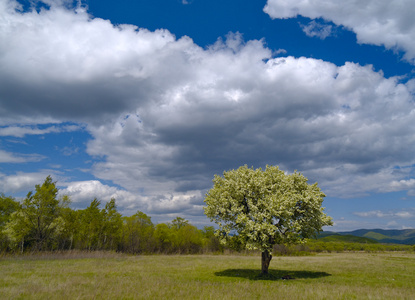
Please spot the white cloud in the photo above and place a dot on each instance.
(323, 125)
(21, 131)
(342, 225)
(401, 185)
(8, 157)
(21, 182)
(86, 191)
(83, 192)
(378, 22)
(97, 63)
(373, 213)
(407, 214)
(166, 115)
(315, 29)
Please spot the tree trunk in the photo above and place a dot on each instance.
(70, 245)
(266, 259)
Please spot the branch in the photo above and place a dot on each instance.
(245, 203)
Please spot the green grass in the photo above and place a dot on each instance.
(113, 276)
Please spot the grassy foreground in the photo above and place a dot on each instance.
(113, 276)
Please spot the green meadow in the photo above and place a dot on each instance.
(107, 275)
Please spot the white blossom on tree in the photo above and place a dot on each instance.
(257, 209)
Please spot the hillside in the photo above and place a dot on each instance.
(348, 239)
(404, 236)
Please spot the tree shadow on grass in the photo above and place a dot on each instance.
(255, 274)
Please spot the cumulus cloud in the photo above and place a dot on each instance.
(73, 64)
(332, 124)
(378, 22)
(166, 115)
(402, 185)
(21, 181)
(85, 191)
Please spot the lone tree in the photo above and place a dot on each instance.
(257, 209)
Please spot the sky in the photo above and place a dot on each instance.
(145, 101)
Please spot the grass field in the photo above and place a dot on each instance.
(114, 276)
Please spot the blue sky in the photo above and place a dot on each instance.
(145, 101)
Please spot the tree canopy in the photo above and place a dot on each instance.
(257, 209)
(44, 221)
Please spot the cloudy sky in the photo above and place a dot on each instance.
(145, 101)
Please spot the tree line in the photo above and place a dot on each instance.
(45, 222)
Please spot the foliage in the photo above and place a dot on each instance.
(265, 207)
(44, 222)
(211, 242)
(7, 207)
(257, 209)
(138, 233)
(180, 237)
(90, 227)
(112, 226)
(36, 222)
(69, 227)
(347, 238)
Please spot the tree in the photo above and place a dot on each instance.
(63, 225)
(112, 225)
(179, 223)
(17, 231)
(257, 209)
(165, 237)
(188, 239)
(7, 206)
(39, 212)
(211, 242)
(90, 227)
(138, 233)
(69, 220)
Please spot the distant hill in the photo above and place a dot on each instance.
(348, 239)
(404, 236)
